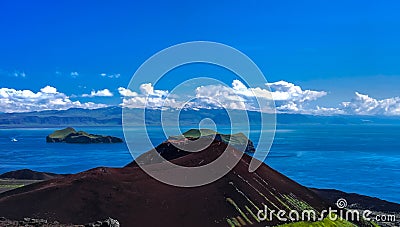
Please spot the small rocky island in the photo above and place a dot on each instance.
(70, 135)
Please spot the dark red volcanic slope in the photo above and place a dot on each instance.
(27, 174)
(135, 199)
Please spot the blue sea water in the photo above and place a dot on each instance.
(354, 158)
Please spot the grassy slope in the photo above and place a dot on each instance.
(10, 184)
(61, 134)
(237, 140)
(325, 222)
(196, 133)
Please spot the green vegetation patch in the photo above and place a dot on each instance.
(299, 205)
(11, 186)
(61, 134)
(229, 200)
(238, 140)
(196, 133)
(325, 222)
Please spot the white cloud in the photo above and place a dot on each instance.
(19, 74)
(211, 96)
(239, 96)
(206, 97)
(74, 74)
(218, 96)
(365, 105)
(48, 98)
(147, 89)
(325, 111)
(49, 90)
(117, 75)
(99, 93)
(127, 92)
(288, 97)
(292, 98)
(112, 76)
(147, 98)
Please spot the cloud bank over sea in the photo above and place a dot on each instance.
(288, 98)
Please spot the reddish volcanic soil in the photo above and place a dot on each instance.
(135, 199)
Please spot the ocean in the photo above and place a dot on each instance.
(362, 159)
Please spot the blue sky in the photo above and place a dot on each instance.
(340, 47)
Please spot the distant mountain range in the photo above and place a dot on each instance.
(112, 116)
